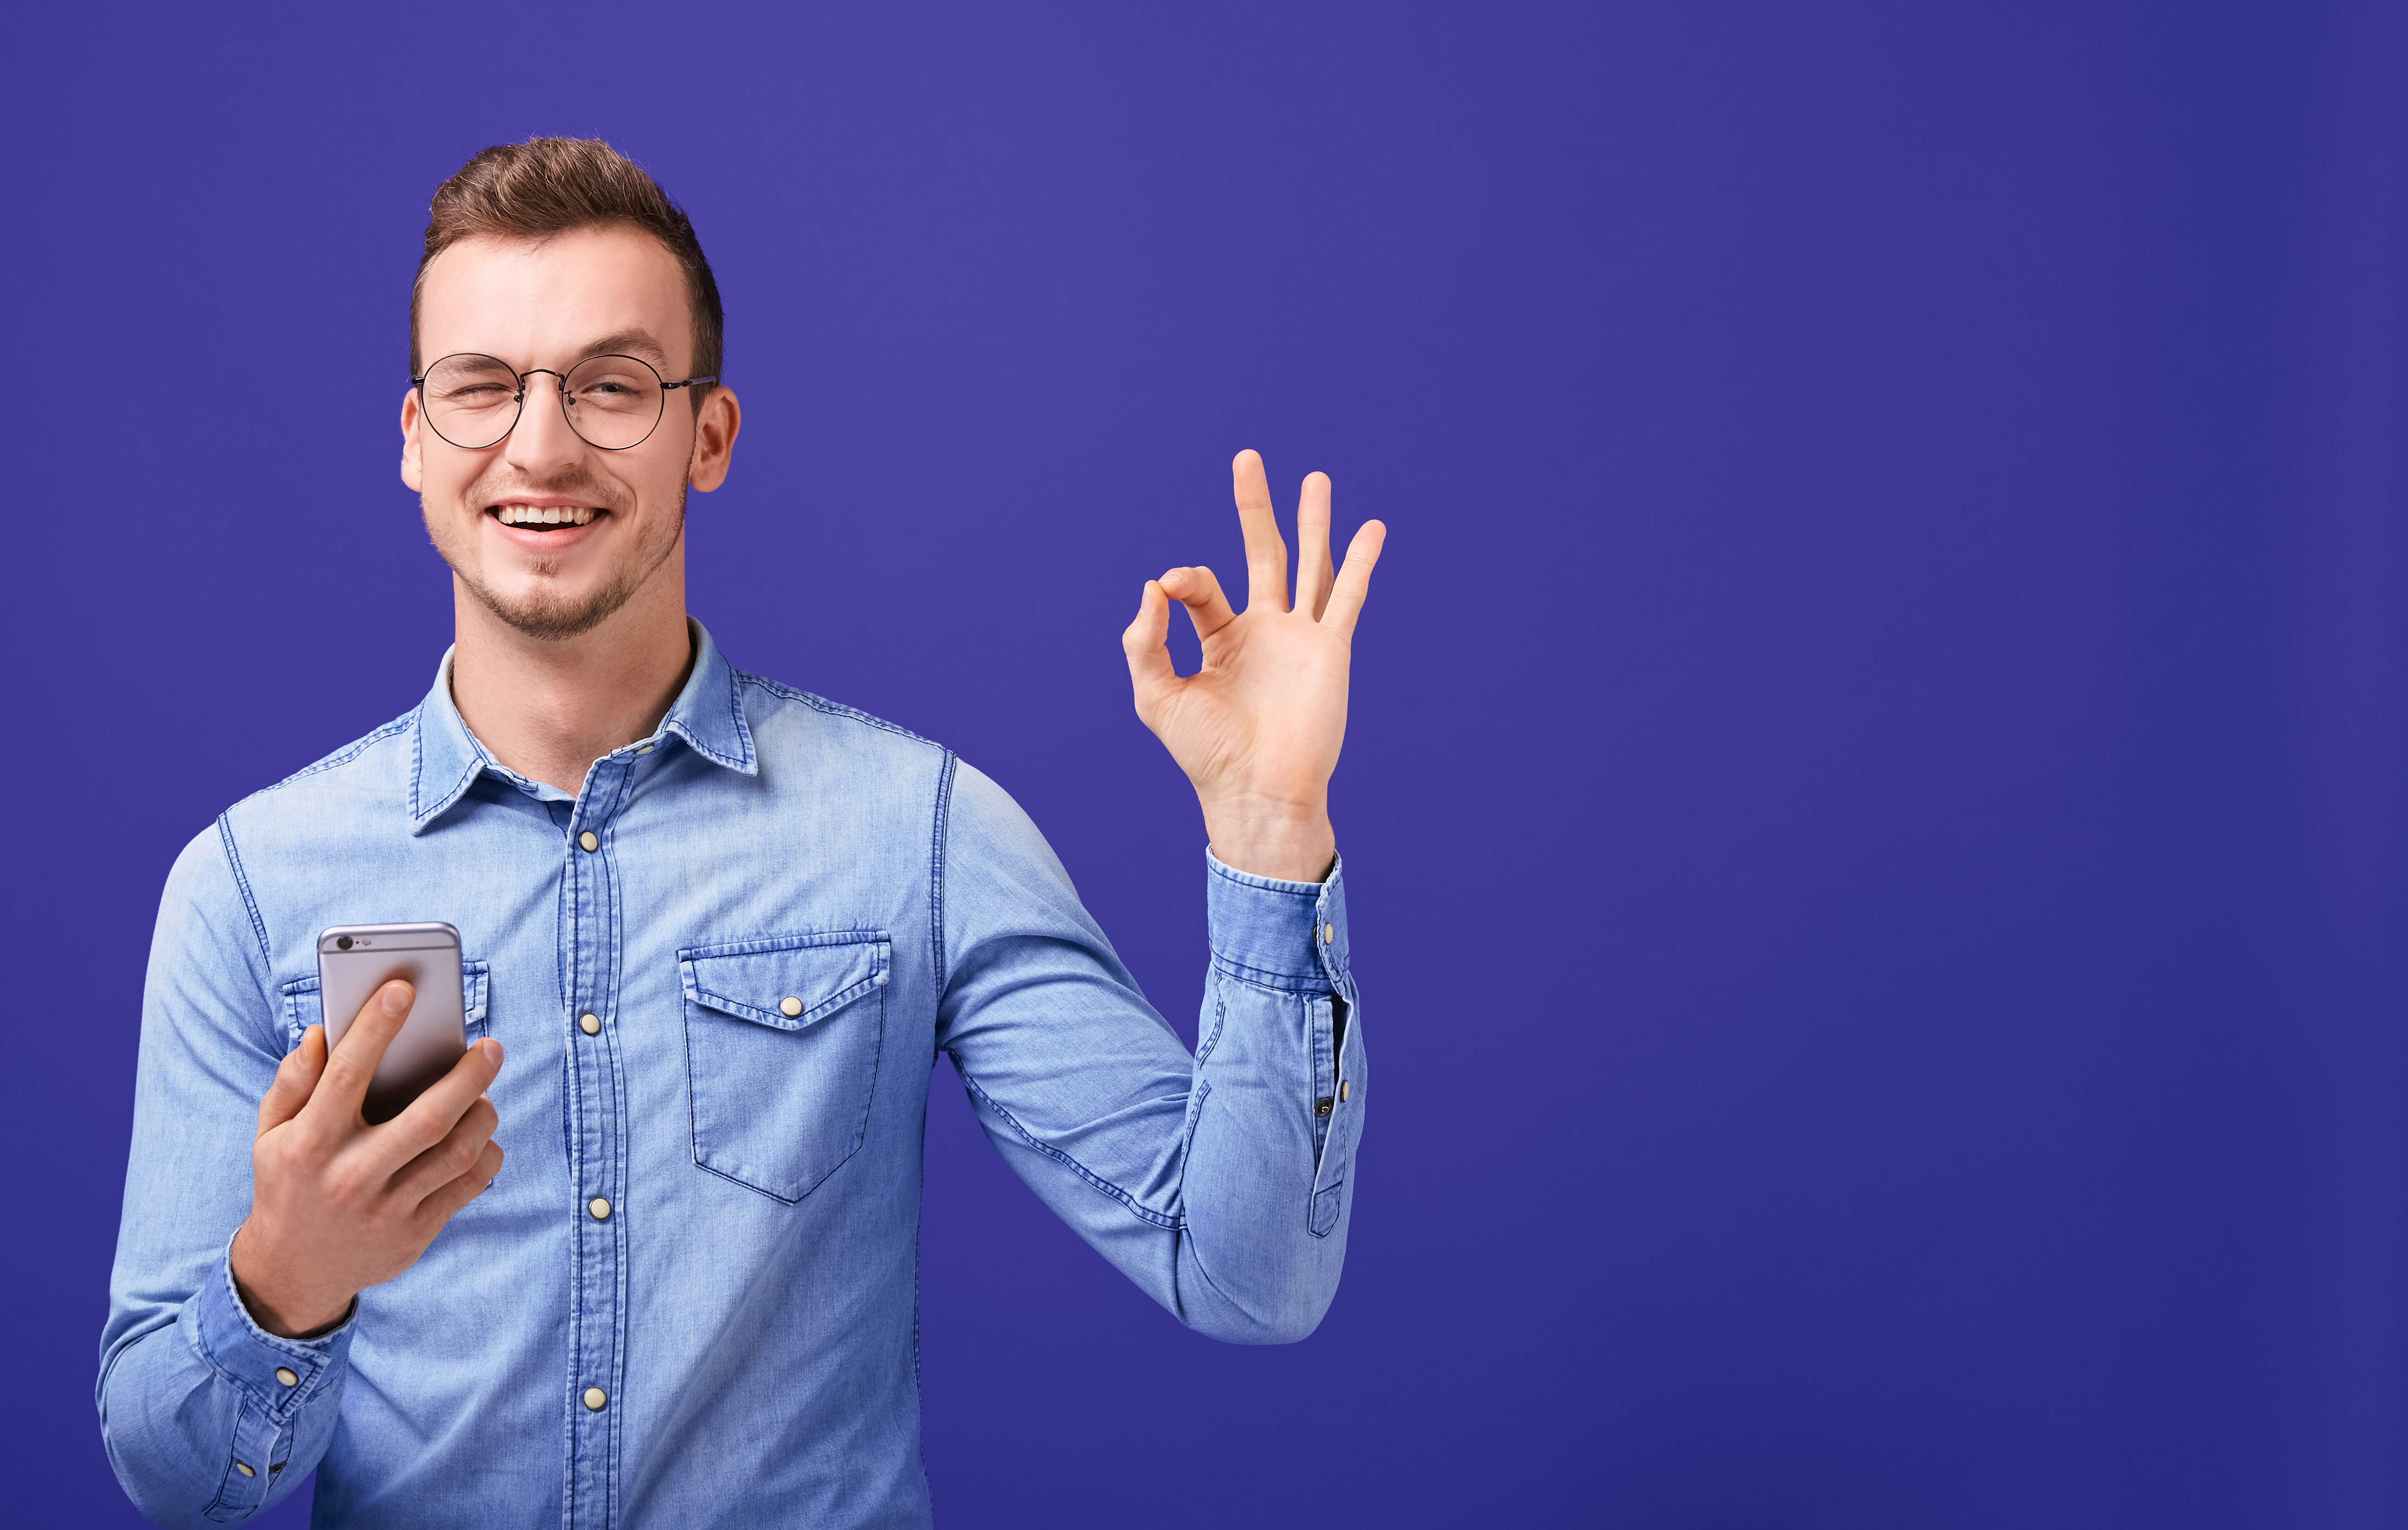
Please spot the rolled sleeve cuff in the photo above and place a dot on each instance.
(252, 1357)
(1280, 934)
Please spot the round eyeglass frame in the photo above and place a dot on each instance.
(560, 386)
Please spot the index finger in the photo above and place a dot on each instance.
(1265, 553)
(344, 1088)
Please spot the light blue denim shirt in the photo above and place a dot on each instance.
(746, 1314)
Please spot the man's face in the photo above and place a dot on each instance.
(617, 519)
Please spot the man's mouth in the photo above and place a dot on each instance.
(539, 517)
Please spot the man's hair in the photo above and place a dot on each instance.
(549, 187)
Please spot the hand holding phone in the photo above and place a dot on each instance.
(339, 1203)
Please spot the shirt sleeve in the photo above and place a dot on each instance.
(207, 1418)
(1218, 1180)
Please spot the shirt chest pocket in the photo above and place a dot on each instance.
(783, 1037)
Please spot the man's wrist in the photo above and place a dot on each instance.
(285, 1318)
(1284, 841)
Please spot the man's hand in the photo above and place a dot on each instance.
(337, 1205)
(1258, 728)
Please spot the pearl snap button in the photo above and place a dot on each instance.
(590, 1024)
(598, 1208)
(596, 1399)
(244, 1467)
(284, 1376)
(1343, 1085)
(790, 1006)
(588, 842)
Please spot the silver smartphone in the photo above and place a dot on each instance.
(356, 959)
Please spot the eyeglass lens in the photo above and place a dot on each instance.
(473, 401)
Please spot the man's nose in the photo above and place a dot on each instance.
(542, 444)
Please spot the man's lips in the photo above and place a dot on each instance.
(517, 514)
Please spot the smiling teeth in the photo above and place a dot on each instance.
(545, 514)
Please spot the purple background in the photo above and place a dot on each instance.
(1878, 790)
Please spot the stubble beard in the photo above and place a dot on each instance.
(548, 614)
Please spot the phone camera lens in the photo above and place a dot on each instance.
(343, 943)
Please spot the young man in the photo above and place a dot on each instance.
(720, 927)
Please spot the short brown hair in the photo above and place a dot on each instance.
(547, 186)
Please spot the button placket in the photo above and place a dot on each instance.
(590, 924)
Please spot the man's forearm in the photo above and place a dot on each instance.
(1264, 1190)
(1214, 1177)
(200, 1420)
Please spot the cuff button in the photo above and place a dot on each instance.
(1343, 1085)
(244, 1467)
(285, 1376)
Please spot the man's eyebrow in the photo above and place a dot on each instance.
(628, 343)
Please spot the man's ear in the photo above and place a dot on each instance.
(409, 427)
(714, 438)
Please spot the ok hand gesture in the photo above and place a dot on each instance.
(1257, 728)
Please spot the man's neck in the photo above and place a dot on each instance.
(548, 708)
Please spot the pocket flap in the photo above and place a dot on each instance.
(302, 1009)
(785, 981)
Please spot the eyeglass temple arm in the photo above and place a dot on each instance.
(689, 383)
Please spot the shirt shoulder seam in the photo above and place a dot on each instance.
(832, 708)
(340, 757)
(937, 866)
(242, 884)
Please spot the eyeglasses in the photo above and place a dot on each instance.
(612, 402)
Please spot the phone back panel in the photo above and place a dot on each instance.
(354, 961)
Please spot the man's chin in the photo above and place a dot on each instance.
(552, 616)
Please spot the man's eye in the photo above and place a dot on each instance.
(476, 393)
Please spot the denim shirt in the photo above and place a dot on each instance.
(721, 972)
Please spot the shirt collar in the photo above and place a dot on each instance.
(709, 714)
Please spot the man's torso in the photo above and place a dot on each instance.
(708, 1213)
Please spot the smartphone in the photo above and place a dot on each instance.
(356, 959)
